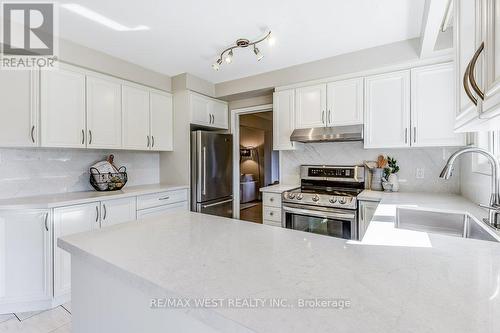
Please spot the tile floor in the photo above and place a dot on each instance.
(57, 320)
(252, 214)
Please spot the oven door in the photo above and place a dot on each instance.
(341, 223)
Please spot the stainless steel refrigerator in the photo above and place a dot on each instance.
(212, 173)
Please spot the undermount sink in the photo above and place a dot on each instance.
(444, 223)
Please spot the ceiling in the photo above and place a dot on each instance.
(186, 36)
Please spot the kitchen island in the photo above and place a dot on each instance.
(188, 272)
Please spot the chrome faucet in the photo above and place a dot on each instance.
(494, 205)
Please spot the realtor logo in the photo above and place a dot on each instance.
(28, 35)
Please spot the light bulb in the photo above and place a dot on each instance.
(216, 65)
(258, 53)
(271, 40)
(229, 57)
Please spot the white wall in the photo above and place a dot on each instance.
(39, 171)
(352, 153)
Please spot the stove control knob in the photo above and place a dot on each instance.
(342, 201)
(333, 200)
(315, 198)
(300, 196)
(291, 195)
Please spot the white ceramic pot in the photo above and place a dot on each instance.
(393, 180)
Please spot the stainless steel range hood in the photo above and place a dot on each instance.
(328, 134)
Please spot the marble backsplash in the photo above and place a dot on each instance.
(28, 172)
(431, 160)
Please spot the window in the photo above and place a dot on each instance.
(489, 141)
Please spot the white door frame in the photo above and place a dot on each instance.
(235, 130)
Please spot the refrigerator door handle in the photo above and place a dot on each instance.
(217, 203)
(204, 191)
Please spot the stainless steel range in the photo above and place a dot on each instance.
(326, 201)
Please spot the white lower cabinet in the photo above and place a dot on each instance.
(366, 211)
(25, 260)
(70, 220)
(117, 211)
(271, 209)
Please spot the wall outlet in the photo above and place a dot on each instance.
(420, 174)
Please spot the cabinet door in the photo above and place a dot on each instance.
(283, 119)
(433, 107)
(366, 211)
(117, 211)
(345, 102)
(387, 110)
(490, 22)
(104, 113)
(62, 107)
(25, 256)
(135, 108)
(19, 111)
(464, 29)
(310, 106)
(200, 110)
(70, 220)
(162, 130)
(220, 116)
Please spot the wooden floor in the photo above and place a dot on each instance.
(57, 320)
(252, 214)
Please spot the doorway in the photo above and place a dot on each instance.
(256, 164)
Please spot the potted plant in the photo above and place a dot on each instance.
(390, 173)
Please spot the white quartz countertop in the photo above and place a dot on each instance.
(448, 285)
(66, 199)
(279, 188)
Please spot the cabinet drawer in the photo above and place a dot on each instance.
(272, 214)
(157, 211)
(271, 199)
(160, 199)
(272, 223)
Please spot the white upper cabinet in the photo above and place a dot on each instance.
(62, 107)
(283, 119)
(18, 93)
(310, 106)
(161, 121)
(345, 102)
(117, 211)
(220, 115)
(70, 220)
(25, 257)
(135, 108)
(208, 112)
(387, 110)
(433, 107)
(490, 21)
(104, 112)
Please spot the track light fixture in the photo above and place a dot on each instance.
(227, 54)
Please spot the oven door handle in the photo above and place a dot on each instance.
(319, 214)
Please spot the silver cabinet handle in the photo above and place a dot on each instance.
(105, 211)
(210, 119)
(415, 134)
(152, 141)
(204, 191)
(83, 136)
(472, 79)
(323, 117)
(271, 213)
(406, 135)
(164, 198)
(271, 199)
(90, 137)
(466, 85)
(33, 133)
(330, 117)
(97, 213)
(148, 141)
(46, 221)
